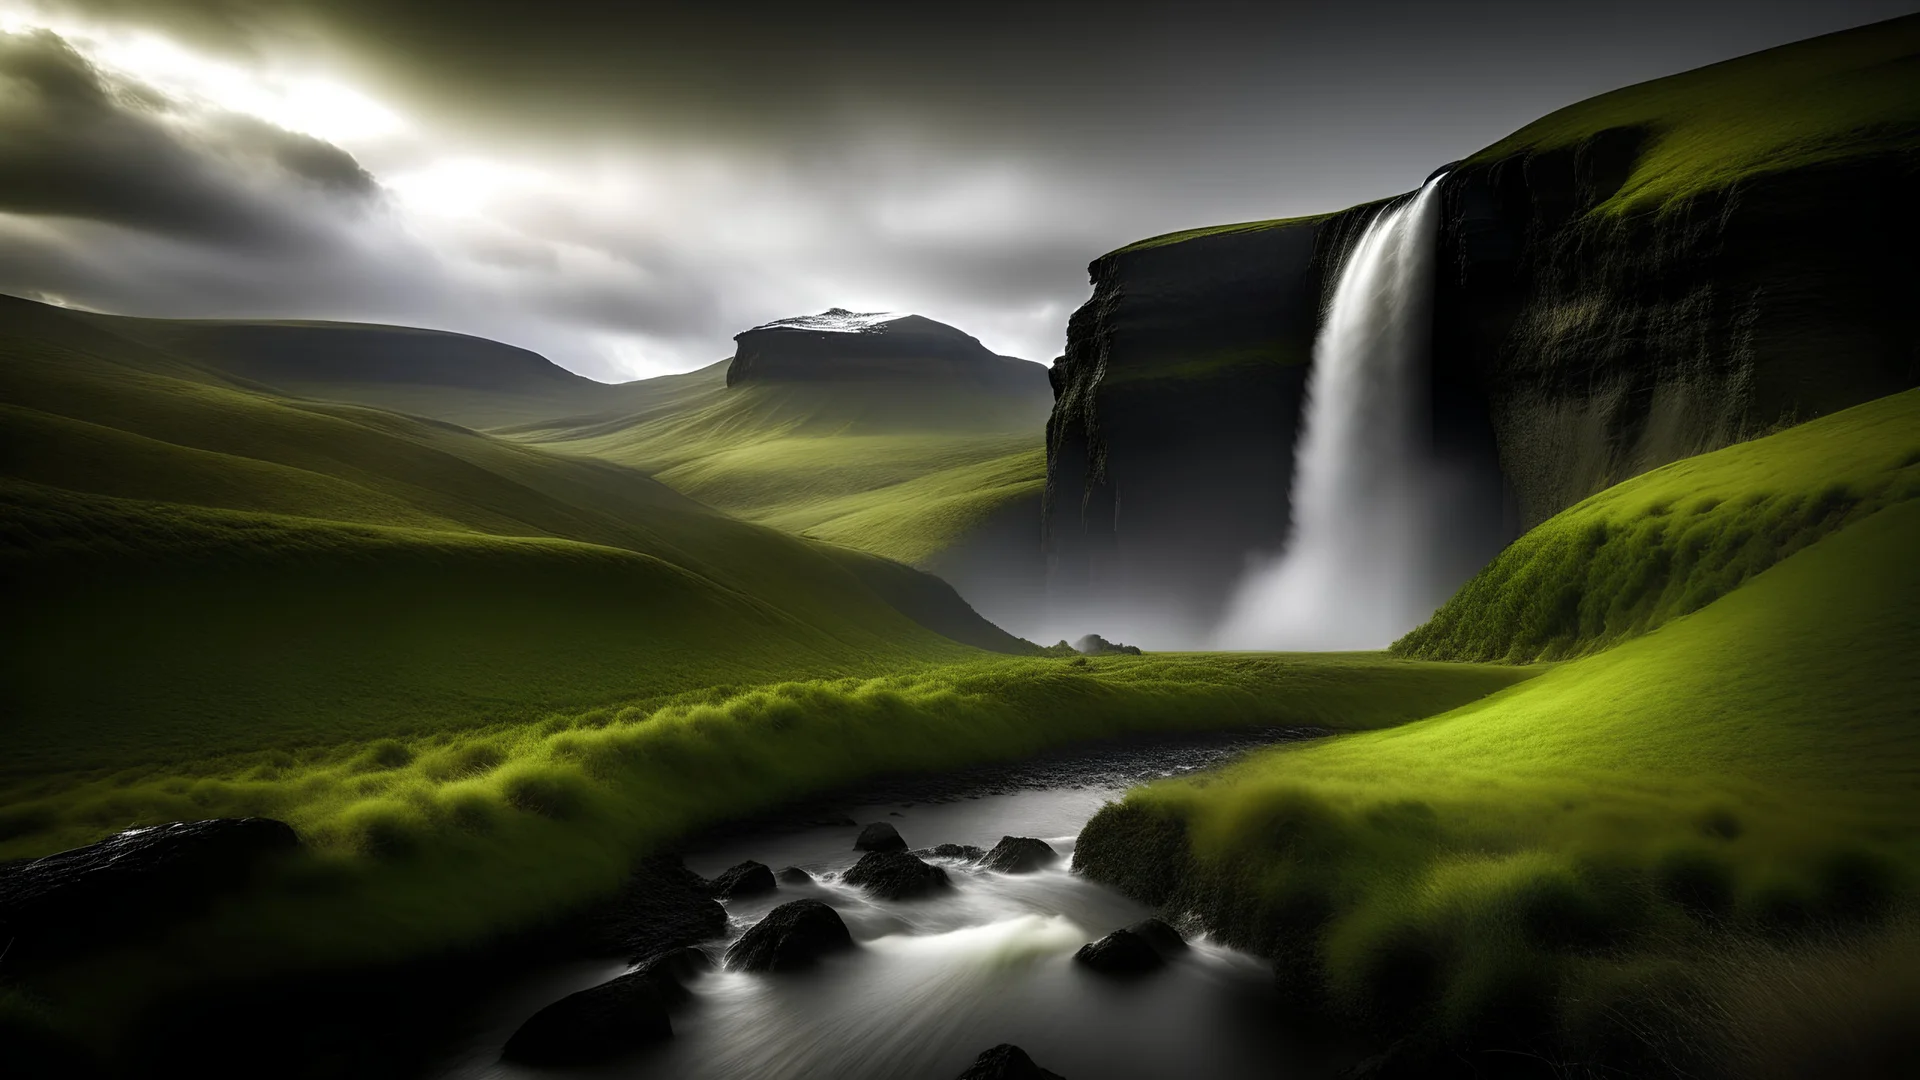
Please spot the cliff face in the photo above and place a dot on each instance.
(1177, 406)
(1169, 450)
(1612, 296)
(1608, 344)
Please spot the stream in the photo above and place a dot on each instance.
(933, 982)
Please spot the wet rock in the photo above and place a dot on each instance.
(747, 879)
(879, 836)
(793, 875)
(1020, 855)
(1007, 1062)
(793, 935)
(670, 972)
(1122, 952)
(663, 906)
(1164, 939)
(600, 1022)
(896, 875)
(130, 884)
(965, 852)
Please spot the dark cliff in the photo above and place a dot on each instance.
(1616, 290)
(842, 345)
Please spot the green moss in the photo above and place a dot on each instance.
(1742, 776)
(550, 814)
(1652, 549)
(1824, 101)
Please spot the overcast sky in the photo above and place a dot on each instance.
(625, 192)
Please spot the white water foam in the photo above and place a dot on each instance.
(1358, 571)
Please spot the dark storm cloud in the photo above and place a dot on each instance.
(962, 160)
(75, 143)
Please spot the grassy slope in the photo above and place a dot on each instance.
(898, 472)
(163, 520)
(1826, 100)
(1580, 852)
(1671, 541)
(550, 814)
(886, 468)
(469, 381)
(1823, 101)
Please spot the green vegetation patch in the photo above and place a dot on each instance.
(1671, 541)
(1824, 101)
(441, 839)
(905, 475)
(1592, 865)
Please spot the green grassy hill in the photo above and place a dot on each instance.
(1617, 859)
(196, 560)
(923, 470)
(1671, 541)
(1827, 100)
(469, 381)
(899, 471)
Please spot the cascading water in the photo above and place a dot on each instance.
(1358, 571)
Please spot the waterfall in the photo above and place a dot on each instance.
(1358, 570)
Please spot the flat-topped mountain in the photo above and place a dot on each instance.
(842, 345)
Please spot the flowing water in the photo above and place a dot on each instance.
(1359, 570)
(933, 982)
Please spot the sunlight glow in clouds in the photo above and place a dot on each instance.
(297, 100)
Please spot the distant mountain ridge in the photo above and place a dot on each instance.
(838, 344)
(911, 441)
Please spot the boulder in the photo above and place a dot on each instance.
(1020, 855)
(965, 852)
(663, 906)
(1164, 939)
(1007, 1062)
(793, 935)
(602, 1022)
(747, 879)
(793, 875)
(896, 875)
(671, 971)
(1122, 952)
(130, 884)
(879, 836)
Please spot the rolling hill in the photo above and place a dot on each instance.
(192, 556)
(901, 436)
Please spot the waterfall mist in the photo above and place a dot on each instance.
(1362, 566)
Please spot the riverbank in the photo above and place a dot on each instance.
(435, 848)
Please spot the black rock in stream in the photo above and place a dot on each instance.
(1164, 939)
(793, 875)
(1122, 952)
(879, 836)
(129, 885)
(1020, 855)
(605, 1021)
(1007, 1062)
(747, 879)
(964, 852)
(663, 906)
(895, 875)
(792, 936)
